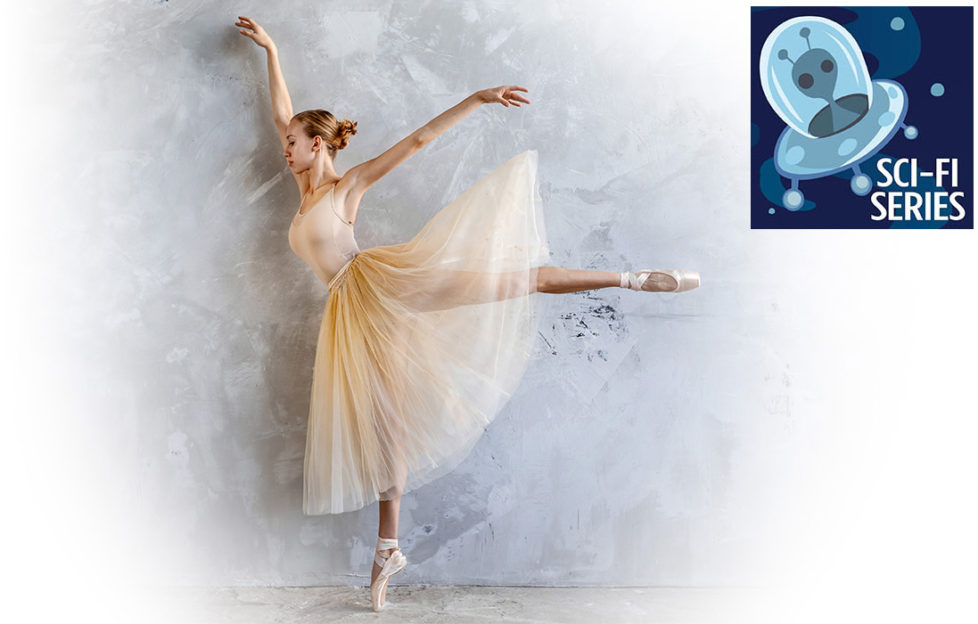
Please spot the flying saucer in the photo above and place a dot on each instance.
(837, 117)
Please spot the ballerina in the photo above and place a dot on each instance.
(421, 343)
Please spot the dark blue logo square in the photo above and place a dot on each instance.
(862, 117)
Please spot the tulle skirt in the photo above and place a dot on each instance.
(423, 342)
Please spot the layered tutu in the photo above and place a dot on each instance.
(422, 343)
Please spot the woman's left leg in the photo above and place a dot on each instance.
(444, 289)
(553, 279)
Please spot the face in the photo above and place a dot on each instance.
(815, 74)
(301, 151)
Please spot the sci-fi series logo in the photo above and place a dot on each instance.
(834, 91)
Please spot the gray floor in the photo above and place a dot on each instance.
(407, 603)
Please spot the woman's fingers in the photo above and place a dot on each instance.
(507, 96)
(252, 30)
(516, 96)
(247, 22)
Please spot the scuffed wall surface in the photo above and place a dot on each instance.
(656, 440)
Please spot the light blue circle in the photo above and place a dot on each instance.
(794, 155)
(897, 23)
(886, 119)
(770, 210)
(910, 132)
(793, 199)
(860, 184)
(937, 89)
(846, 147)
(892, 92)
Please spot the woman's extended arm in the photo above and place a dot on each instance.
(503, 95)
(367, 173)
(281, 102)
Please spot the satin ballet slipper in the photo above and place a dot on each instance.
(679, 280)
(389, 565)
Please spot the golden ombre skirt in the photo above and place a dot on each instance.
(423, 342)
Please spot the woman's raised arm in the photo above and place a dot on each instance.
(504, 95)
(369, 172)
(281, 102)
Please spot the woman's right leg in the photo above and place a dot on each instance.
(389, 512)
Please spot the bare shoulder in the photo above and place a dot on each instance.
(348, 193)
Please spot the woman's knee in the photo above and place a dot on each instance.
(548, 278)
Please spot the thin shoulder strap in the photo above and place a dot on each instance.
(332, 206)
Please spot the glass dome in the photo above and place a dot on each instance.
(814, 76)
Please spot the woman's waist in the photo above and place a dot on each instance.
(338, 276)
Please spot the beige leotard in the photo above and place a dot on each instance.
(322, 238)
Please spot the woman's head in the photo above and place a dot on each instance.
(313, 133)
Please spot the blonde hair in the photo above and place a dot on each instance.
(336, 134)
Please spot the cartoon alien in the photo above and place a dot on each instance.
(815, 74)
(837, 116)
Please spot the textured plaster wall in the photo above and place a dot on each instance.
(732, 435)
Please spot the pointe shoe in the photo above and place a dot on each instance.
(389, 566)
(684, 280)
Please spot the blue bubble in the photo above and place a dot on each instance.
(770, 210)
(847, 146)
(937, 89)
(795, 154)
(896, 23)
(785, 46)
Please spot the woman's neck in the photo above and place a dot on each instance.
(324, 176)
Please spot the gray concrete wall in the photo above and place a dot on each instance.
(794, 411)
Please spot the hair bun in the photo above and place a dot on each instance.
(346, 129)
(322, 123)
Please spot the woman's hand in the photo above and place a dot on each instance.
(259, 35)
(503, 95)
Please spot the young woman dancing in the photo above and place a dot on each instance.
(421, 343)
